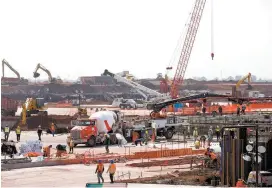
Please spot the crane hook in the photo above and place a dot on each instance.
(212, 55)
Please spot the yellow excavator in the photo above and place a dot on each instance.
(34, 106)
(235, 89)
(242, 80)
(50, 78)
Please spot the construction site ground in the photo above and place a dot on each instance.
(80, 174)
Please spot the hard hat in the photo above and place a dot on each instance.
(111, 161)
(210, 127)
(99, 161)
(39, 126)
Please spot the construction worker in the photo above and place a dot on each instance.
(72, 145)
(18, 133)
(220, 110)
(243, 109)
(204, 110)
(99, 171)
(195, 133)
(238, 110)
(146, 136)
(203, 141)
(7, 131)
(39, 131)
(210, 136)
(46, 151)
(217, 132)
(52, 128)
(188, 131)
(197, 144)
(111, 170)
(240, 183)
(107, 143)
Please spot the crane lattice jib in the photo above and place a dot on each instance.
(187, 46)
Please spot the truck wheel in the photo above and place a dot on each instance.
(113, 139)
(91, 142)
(121, 106)
(169, 134)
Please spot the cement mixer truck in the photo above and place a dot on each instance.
(91, 130)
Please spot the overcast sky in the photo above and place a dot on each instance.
(82, 38)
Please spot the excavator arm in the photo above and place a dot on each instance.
(4, 62)
(247, 77)
(36, 74)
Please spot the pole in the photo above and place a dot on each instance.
(257, 144)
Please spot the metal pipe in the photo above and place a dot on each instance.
(257, 144)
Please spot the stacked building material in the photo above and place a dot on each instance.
(31, 146)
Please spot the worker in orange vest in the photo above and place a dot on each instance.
(52, 128)
(111, 170)
(240, 183)
(99, 171)
(46, 151)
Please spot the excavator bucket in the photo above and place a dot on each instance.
(36, 75)
(249, 87)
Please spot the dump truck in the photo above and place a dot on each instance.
(8, 106)
(91, 131)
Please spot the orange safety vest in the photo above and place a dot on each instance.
(213, 156)
(100, 167)
(112, 168)
(240, 183)
(52, 127)
(46, 150)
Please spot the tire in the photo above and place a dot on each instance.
(128, 107)
(113, 139)
(121, 106)
(169, 134)
(91, 142)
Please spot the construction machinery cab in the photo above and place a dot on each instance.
(35, 106)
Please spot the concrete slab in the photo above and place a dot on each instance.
(72, 175)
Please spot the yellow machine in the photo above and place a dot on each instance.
(35, 106)
(82, 111)
(235, 89)
(248, 78)
(50, 78)
(23, 121)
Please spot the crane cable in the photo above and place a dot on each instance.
(212, 34)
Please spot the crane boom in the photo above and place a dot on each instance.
(187, 46)
(36, 74)
(140, 88)
(4, 62)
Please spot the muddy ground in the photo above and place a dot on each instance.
(192, 177)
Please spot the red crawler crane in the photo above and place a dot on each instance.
(187, 46)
